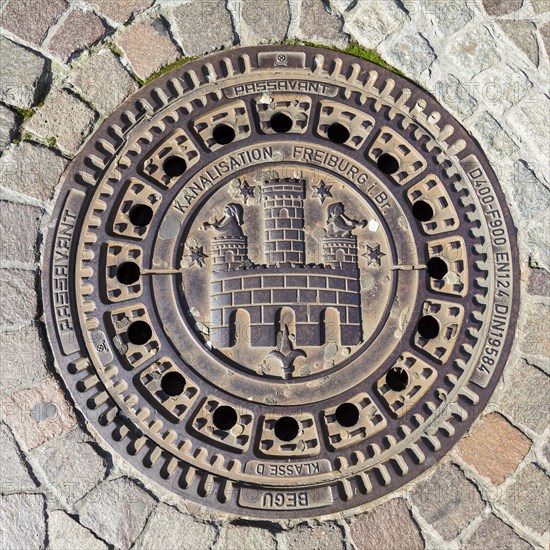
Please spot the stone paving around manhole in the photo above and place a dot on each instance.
(64, 66)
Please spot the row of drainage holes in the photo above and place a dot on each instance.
(280, 123)
(286, 428)
(128, 273)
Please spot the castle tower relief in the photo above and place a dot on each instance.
(283, 202)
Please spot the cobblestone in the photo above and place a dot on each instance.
(103, 81)
(262, 21)
(117, 511)
(412, 53)
(495, 139)
(26, 361)
(70, 465)
(64, 118)
(447, 500)
(236, 537)
(18, 232)
(493, 534)
(318, 25)
(121, 10)
(18, 297)
(79, 31)
(474, 50)
(38, 414)
(22, 522)
(526, 398)
(456, 97)
(315, 537)
(31, 19)
(539, 282)
(387, 527)
(23, 74)
(8, 125)
(524, 36)
(527, 498)
(545, 34)
(450, 17)
(64, 533)
(494, 447)
(202, 26)
(14, 474)
(148, 47)
(501, 7)
(184, 532)
(31, 169)
(372, 22)
(535, 330)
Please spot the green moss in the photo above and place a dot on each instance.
(354, 48)
(167, 69)
(24, 113)
(52, 142)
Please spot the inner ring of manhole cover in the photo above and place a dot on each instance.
(281, 281)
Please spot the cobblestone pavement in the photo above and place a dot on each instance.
(66, 64)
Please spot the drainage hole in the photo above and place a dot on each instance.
(397, 378)
(172, 383)
(223, 134)
(174, 166)
(286, 428)
(338, 133)
(139, 333)
(224, 417)
(422, 211)
(281, 123)
(428, 327)
(437, 268)
(128, 273)
(388, 163)
(141, 215)
(347, 415)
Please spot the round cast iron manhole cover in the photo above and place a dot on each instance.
(281, 281)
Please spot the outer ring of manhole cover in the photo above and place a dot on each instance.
(281, 281)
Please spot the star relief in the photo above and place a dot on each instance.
(374, 255)
(245, 192)
(196, 256)
(322, 191)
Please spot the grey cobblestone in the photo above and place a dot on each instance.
(8, 125)
(536, 340)
(31, 169)
(168, 528)
(63, 118)
(194, 29)
(539, 282)
(18, 297)
(412, 53)
(31, 19)
(526, 398)
(524, 35)
(236, 537)
(447, 500)
(315, 537)
(103, 81)
(318, 25)
(262, 21)
(23, 74)
(18, 232)
(22, 522)
(64, 533)
(117, 511)
(493, 534)
(501, 7)
(23, 360)
(14, 474)
(527, 498)
(497, 141)
(71, 466)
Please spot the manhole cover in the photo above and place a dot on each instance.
(281, 281)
